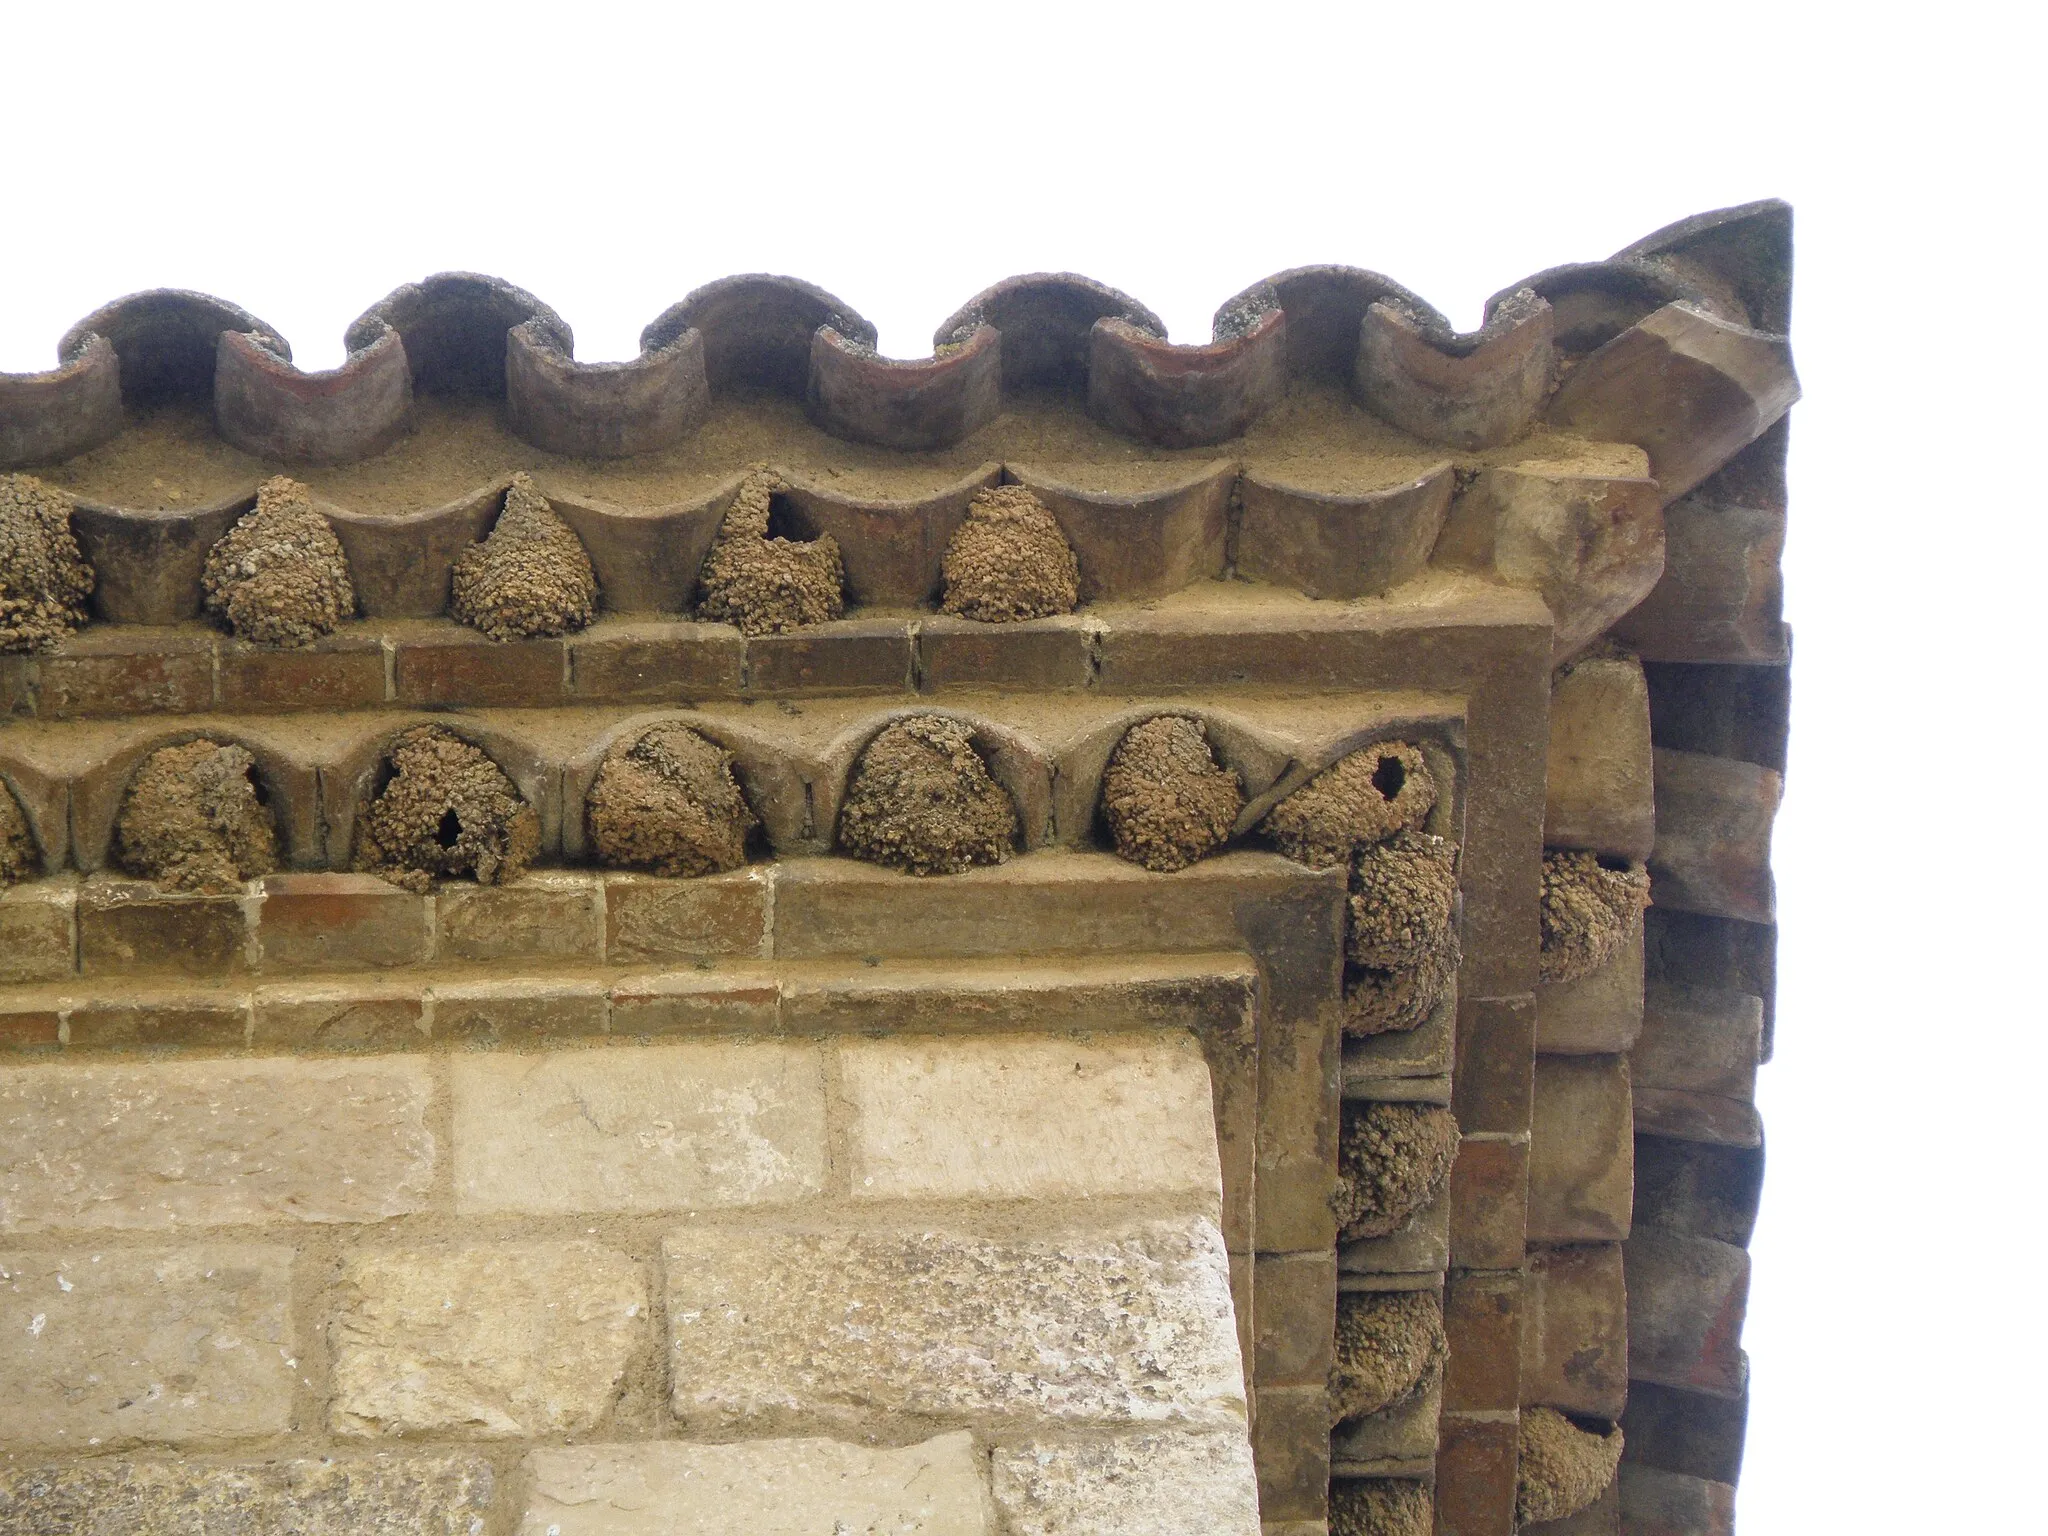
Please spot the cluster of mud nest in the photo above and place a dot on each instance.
(279, 576)
(1009, 560)
(195, 819)
(1166, 799)
(1380, 1506)
(1590, 909)
(1563, 1468)
(921, 799)
(1369, 809)
(447, 810)
(1392, 1161)
(765, 586)
(667, 801)
(532, 577)
(17, 846)
(1390, 1346)
(44, 580)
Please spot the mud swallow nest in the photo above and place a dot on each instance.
(195, 819)
(1365, 797)
(1563, 1468)
(1165, 797)
(667, 801)
(1589, 911)
(279, 577)
(1378, 1002)
(1404, 895)
(17, 846)
(922, 800)
(532, 577)
(765, 586)
(1392, 1161)
(447, 810)
(1390, 1345)
(44, 580)
(1380, 1506)
(1009, 561)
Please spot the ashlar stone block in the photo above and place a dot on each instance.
(1120, 1325)
(689, 1126)
(1599, 788)
(168, 1345)
(1162, 1484)
(763, 1487)
(519, 1339)
(1031, 1117)
(1581, 1150)
(169, 1144)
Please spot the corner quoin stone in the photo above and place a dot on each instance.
(690, 1126)
(1113, 1326)
(97, 1348)
(518, 1339)
(168, 1144)
(762, 1487)
(1030, 1117)
(1159, 1484)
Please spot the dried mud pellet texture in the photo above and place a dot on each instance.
(1380, 1506)
(1588, 913)
(668, 802)
(1390, 1345)
(1563, 1468)
(193, 819)
(1362, 798)
(1404, 895)
(17, 845)
(532, 577)
(765, 586)
(279, 577)
(1379, 1002)
(1393, 1160)
(44, 580)
(922, 800)
(1165, 797)
(447, 810)
(1009, 561)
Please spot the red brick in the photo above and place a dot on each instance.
(494, 1012)
(650, 920)
(1291, 1444)
(212, 1023)
(656, 661)
(1496, 1053)
(448, 664)
(340, 922)
(688, 1002)
(26, 1027)
(1475, 1476)
(547, 915)
(125, 927)
(1038, 653)
(345, 1016)
(1483, 1320)
(1489, 1203)
(127, 670)
(1581, 1150)
(846, 656)
(343, 671)
(1294, 1318)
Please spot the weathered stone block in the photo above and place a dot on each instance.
(1294, 1318)
(1598, 785)
(1600, 1014)
(1116, 1325)
(365, 1015)
(1687, 1299)
(1475, 1477)
(1703, 1117)
(550, 915)
(1690, 1432)
(1713, 852)
(1166, 1484)
(694, 1002)
(1423, 1247)
(327, 922)
(1291, 1446)
(1722, 597)
(1405, 1433)
(494, 1012)
(128, 926)
(1035, 653)
(844, 656)
(1700, 1040)
(1489, 1201)
(441, 663)
(213, 1142)
(26, 1025)
(1484, 1322)
(1495, 1046)
(344, 670)
(179, 1344)
(218, 1022)
(1659, 1503)
(38, 931)
(1575, 1331)
(762, 1487)
(126, 669)
(425, 1495)
(650, 920)
(1698, 1188)
(519, 1339)
(656, 661)
(1581, 1150)
(666, 1127)
(1031, 1118)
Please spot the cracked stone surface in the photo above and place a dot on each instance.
(1165, 1484)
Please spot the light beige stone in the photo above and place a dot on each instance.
(690, 1126)
(1031, 1117)
(516, 1339)
(1598, 790)
(1166, 1484)
(761, 1487)
(97, 1348)
(423, 1495)
(1113, 1325)
(162, 1144)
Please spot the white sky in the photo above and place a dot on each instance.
(302, 161)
